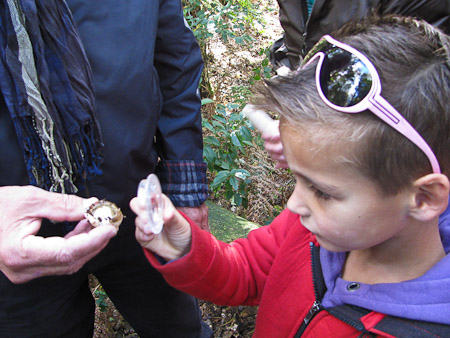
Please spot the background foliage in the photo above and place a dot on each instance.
(235, 46)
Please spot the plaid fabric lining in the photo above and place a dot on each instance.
(184, 182)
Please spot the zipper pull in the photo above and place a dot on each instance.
(312, 312)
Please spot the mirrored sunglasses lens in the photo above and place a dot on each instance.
(344, 78)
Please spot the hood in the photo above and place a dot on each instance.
(426, 298)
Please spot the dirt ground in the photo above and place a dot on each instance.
(225, 321)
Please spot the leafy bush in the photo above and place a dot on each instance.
(227, 18)
(230, 20)
(229, 138)
(225, 150)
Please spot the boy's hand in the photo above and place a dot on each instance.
(174, 241)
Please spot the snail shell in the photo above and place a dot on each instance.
(104, 213)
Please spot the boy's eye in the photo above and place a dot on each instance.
(319, 193)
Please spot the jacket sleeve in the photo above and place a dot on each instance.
(231, 274)
(327, 16)
(179, 141)
(436, 12)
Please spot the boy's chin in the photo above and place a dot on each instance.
(329, 246)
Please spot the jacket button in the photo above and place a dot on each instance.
(353, 286)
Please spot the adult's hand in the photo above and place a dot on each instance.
(270, 133)
(25, 256)
(273, 145)
(175, 238)
(197, 214)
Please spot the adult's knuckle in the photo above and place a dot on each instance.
(10, 261)
(67, 202)
(65, 257)
(74, 268)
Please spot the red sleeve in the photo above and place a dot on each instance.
(223, 273)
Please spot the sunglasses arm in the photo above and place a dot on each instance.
(384, 110)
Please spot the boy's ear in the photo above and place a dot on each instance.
(430, 196)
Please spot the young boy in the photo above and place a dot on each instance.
(364, 213)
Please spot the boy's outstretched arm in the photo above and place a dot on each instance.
(224, 273)
(173, 242)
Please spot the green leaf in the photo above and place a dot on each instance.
(225, 165)
(229, 194)
(209, 154)
(208, 126)
(212, 140)
(218, 124)
(234, 183)
(246, 133)
(235, 140)
(206, 101)
(240, 173)
(237, 199)
(220, 178)
(220, 119)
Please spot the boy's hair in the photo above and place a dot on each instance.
(413, 61)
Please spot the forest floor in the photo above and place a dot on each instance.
(227, 69)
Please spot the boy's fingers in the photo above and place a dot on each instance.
(144, 238)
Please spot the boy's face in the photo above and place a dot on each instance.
(341, 207)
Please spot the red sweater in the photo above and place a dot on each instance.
(270, 268)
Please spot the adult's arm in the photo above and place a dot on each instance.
(436, 12)
(329, 15)
(179, 138)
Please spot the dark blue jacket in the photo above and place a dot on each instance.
(302, 31)
(146, 67)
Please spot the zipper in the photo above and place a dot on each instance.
(318, 291)
(312, 312)
(355, 323)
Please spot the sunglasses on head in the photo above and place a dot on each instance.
(348, 82)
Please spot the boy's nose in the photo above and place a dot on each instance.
(297, 202)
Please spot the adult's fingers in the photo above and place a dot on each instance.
(50, 256)
(274, 147)
(82, 227)
(36, 202)
(60, 251)
(55, 255)
(62, 207)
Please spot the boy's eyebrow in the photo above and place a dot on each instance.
(322, 186)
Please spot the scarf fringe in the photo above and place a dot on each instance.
(47, 86)
(51, 175)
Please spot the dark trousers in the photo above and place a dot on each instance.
(63, 306)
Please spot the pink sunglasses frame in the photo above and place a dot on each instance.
(373, 101)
